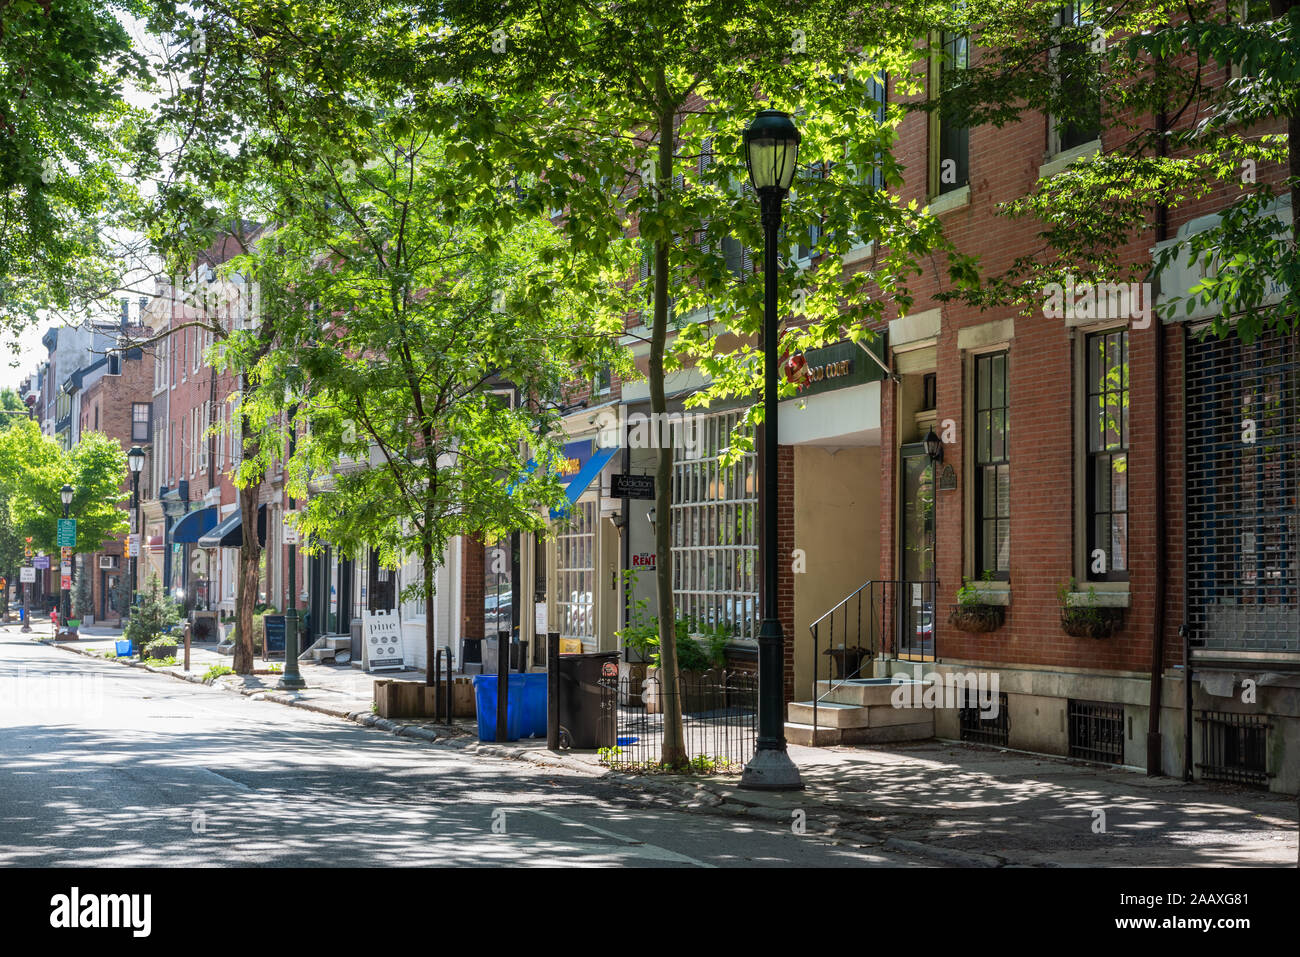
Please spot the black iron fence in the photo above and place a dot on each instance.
(719, 718)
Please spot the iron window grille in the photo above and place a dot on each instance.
(1243, 466)
(1096, 731)
(992, 467)
(978, 729)
(1234, 747)
(1107, 464)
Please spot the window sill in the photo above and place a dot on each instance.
(1063, 160)
(1102, 599)
(947, 202)
(857, 254)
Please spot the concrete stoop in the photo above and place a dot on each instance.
(857, 711)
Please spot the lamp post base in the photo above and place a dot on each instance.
(770, 769)
(291, 683)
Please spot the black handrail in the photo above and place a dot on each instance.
(877, 593)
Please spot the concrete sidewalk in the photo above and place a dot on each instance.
(961, 804)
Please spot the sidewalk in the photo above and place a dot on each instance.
(960, 804)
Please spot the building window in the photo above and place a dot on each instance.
(602, 383)
(949, 138)
(1107, 465)
(714, 536)
(140, 422)
(811, 239)
(1243, 466)
(1078, 72)
(575, 573)
(992, 468)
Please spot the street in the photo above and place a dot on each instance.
(102, 765)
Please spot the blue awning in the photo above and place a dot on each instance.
(191, 525)
(586, 475)
(230, 532)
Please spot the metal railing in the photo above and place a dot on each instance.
(856, 629)
(719, 718)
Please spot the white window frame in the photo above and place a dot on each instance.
(716, 580)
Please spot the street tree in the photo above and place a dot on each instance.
(421, 352)
(630, 117)
(33, 470)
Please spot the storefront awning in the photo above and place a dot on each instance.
(192, 525)
(229, 533)
(586, 475)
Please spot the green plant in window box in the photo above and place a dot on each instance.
(971, 613)
(1087, 619)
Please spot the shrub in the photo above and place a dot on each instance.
(155, 615)
(216, 671)
(160, 647)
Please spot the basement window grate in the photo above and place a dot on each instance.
(1096, 731)
(978, 729)
(1234, 747)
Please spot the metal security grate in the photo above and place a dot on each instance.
(1234, 747)
(1096, 731)
(1243, 466)
(981, 730)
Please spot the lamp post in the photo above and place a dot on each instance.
(65, 494)
(292, 679)
(771, 149)
(135, 459)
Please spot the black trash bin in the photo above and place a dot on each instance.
(587, 710)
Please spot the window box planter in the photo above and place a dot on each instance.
(1091, 621)
(977, 619)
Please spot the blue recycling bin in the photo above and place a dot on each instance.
(124, 648)
(532, 723)
(485, 698)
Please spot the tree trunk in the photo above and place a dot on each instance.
(250, 557)
(674, 746)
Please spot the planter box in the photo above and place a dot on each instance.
(977, 619)
(1095, 622)
(414, 699)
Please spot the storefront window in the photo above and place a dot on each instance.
(714, 538)
(575, 573)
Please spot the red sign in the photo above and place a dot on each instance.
(67, 581)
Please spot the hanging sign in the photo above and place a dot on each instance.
(67, 532)
(381, 641)
(632, 486)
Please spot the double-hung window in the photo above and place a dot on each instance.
(992, 468)
(1076, 64)
(1107, 461)
(949, 137)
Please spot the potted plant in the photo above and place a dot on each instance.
(1087, 618)
(971, 613)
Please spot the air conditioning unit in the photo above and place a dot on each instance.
(108, 561)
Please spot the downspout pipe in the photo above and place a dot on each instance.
(1155, 742)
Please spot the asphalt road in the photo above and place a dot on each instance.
(102, 765)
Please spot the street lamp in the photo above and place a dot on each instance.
(292, 678)
(135, 459)
(771, 150)
(65, 494)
